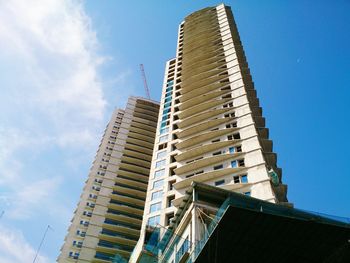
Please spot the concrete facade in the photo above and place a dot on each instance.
(210, 129)
(108, 217)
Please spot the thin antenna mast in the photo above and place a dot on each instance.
(41, 242)
(145, 81)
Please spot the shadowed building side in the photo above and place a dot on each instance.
(108, 218)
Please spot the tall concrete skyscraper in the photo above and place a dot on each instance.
(108, 218)
(211, 128)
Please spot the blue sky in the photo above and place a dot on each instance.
(65, 65)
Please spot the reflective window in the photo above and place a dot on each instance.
(154, 220)
(244, 179)
(234, 164)
(161, 154)
(164, 118)
(157, 195)
(167, 105)
(159, 173)
(155, 207)
(232, 149)
(164, 130)
(163, 138)
(160, 163)
(165, 111)
(158, 184)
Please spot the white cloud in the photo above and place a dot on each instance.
(51, 95)
(52, 107)
(14, 248)
(51, 47)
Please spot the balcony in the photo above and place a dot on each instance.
(195, 140)
(133, 175)
(207, 176)
(201, 117)
(136, 169)
(197, 108)
(130, 191)
(198, 95)
(196, 165)
(203, 126)
(123, 218)
(117, 239)
(200, 150)
(209, 66)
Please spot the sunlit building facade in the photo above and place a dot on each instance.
(210, 130)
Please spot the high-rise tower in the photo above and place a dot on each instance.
(211, 129)
(108, 218)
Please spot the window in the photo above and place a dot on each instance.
(168, 94)
(172, 171)
(228, 105)
(247, 193)
(154, 220)
(167, 105)
(74, 255)
(86, 213)
(158, 184)
(236, 179)
(228, 115)
(157, 195)
(161, 154)
(92, 196)
(84, 223)
(159, 173)
(216, 140)
(96, 188)
(183, 249)
(231, 125)
(217, 183)
(170, 200)
(162, 146)
(92, 205)
(155, 207)
(232, 149)
(235, 136)
(217, 153)
(168, 218)
(164, 130)
(239, 148)
(164, 118)
(172, 158)
(234, 164)
(163, 138)
(244, 179)
(167, 99)
(160, 163)
(217, 167)
(241, 163)
(171, 185)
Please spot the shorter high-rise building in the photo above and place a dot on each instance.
(108, 218)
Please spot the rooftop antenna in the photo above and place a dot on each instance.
(145, 81)
(41, 242)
